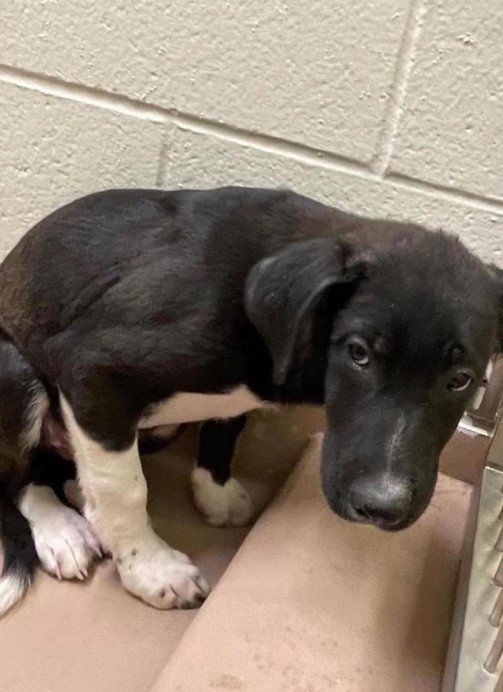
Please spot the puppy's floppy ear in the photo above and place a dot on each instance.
(283, 290)
(497, 273)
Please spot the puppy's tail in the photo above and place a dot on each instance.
(19, 555)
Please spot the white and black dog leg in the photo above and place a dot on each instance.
(65, 542)
(221, 499)
(115, 494)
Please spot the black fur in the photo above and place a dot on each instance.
(127, 297)
(498, 274)
(216, 446)
(19, 556)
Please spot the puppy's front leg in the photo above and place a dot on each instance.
(115, 492)
(221, 499)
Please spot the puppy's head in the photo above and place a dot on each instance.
(401, 334)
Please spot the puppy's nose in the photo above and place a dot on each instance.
(380, 500)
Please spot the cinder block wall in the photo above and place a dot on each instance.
(385, 107)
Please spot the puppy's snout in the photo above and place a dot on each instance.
(383, 501)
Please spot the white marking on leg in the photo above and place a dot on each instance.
(115, 493)
(12, 589)
(186, 407)
(221, 505)
(37, 409)
(65, 543)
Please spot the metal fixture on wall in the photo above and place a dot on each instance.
(483, 414)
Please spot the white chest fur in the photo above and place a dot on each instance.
(189, 408)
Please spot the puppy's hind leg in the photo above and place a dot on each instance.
(19, 555)
(23, 402)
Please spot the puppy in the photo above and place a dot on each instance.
(132, 310)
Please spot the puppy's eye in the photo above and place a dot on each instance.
(359, 352)
(460, 382)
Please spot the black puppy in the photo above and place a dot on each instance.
(138, 309)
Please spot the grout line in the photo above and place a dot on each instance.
(81, 94)
(274, 145)
(403, 68)
(493, 205)
(125, 105)
(301, 153)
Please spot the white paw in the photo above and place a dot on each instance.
(221, 505)
(161, 576)
(66, 545)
